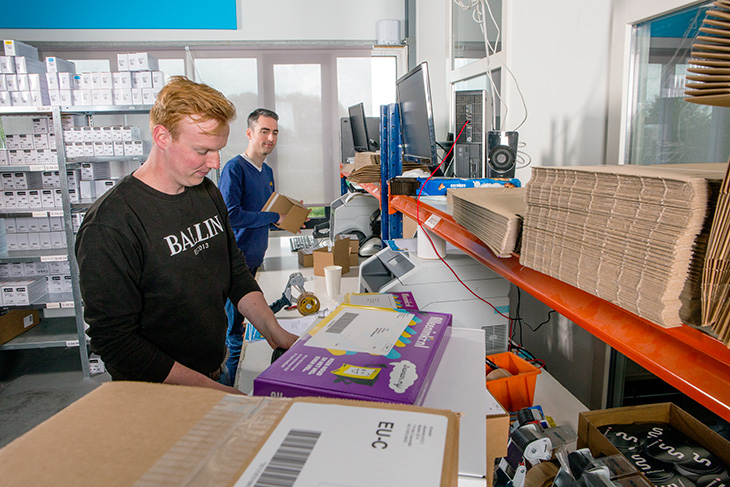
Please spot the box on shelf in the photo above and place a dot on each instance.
(339, 254)
(17, 321)
(340, 442)
(296, 213)
(364, 353)
(590, 437)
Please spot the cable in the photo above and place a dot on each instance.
(420, 226)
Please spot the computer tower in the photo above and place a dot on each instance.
(469, 152)
(481, 152)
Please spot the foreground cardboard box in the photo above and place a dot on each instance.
(590, 421)
(17, 321)
(296, 213)
(126, 433)
(364, 353)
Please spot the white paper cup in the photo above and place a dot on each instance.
(333, 280)
(426, 250)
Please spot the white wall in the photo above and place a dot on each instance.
(283, 20)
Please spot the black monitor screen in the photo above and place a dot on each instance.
(416, 116)
(359, 128)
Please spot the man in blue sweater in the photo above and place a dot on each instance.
(246, 183)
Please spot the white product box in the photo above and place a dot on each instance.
(47, 199)
(87, 189)
(52, 81)
(40, 99)
(4, 156)
(3, 86)
(86, 135)
(7, 65)
(64, 81)
(99, 149)
(102, 97)
(130, 132)
(41, 268)
(87, 81)
(50, 179)
(4, 270)
(33, 222)
(34, 243)
(5, 99)
(73, 176)
(21, 200)
(56, 240)
(27, 65)
(97, 170)
(15, 156)
(57, 203)
(22, 80)
(88, 149)
(149, 95)
(30, 156)
(10, 225)
(95, 81)
(67, 284)
(25, 141)
(12, 141)
(145, 62)
(29, 268)
(16, 269)
(103, 185)
(21, 224)
(137, 96)
(34, 199)
(158, 79)
(96, 134)
(9, 202)
(43, 224)
(123, 62)
(40, 141)
(27, 179)
(45, 241)
(20, 98)
(18, 48)
(106, 134)
(40, 125)
(7, 181)
(69, 135)
(105, 81)
(73, 195)
(11, 82)
(8, 293)
(122, 80)
(133, 148)
(71, 150)
(77, 98)
(55, 284)
(142, 79)
(22, 239)
(123, 96)
(12, 241)
(57, 64)
(77, 82)
(118, 148)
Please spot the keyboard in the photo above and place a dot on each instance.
(301, 242)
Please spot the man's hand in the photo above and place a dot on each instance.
(254, 307)
(181, 375)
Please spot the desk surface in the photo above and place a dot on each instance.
(273, 275)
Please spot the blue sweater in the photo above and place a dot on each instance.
(245, 190)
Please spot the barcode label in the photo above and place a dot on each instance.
(289, 459)
(342, 323)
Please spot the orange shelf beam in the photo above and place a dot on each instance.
(687, 359)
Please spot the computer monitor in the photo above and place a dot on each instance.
(360, 133)
(413, 95)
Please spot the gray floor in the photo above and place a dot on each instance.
(36, 384)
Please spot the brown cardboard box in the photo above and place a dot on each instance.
(305, 257)
(296, 213)
(134, 433)
(340, 255)
(17, 321)
(590, 421)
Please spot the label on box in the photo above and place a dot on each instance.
(308, 443)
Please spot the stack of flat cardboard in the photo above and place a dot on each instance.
(494, 215)
(623, 233)
(716, 271)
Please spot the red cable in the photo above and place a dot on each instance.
(418, 221)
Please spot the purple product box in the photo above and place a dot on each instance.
(405, 300)
(362, 353)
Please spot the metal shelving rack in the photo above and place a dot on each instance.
(62, 331)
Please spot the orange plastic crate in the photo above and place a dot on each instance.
(518, 391)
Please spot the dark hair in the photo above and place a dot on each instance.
(261, 112)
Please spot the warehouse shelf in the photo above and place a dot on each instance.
(49, 333)
(684, 357)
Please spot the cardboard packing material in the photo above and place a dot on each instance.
(590, 437)
(17, 321)
(305, 257)
(296, 213)
(127, 433)
(339, 255)
(364, 353)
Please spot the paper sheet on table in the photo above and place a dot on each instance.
(297, 326)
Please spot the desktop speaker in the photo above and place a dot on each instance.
(501, 154)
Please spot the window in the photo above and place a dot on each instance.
(468, 17)
(663, 127)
